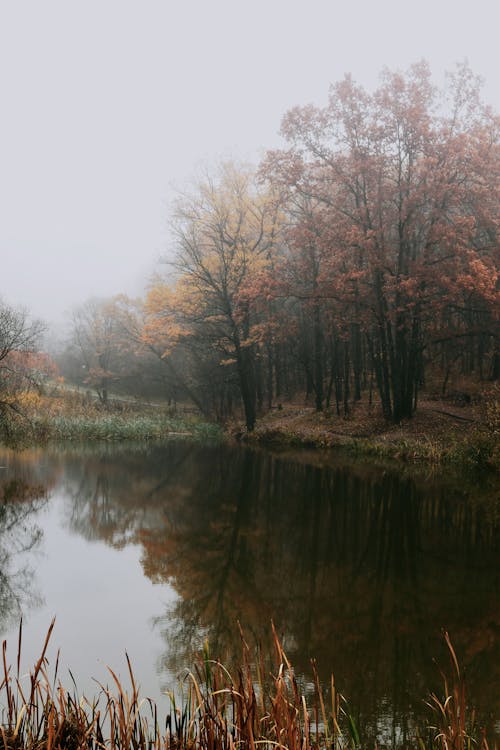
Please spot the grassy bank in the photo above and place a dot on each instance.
(111, 426)
(261, 706)
(71, 416)
(442, 433)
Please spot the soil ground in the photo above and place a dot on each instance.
(439, 429)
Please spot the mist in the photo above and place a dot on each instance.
(110, 108)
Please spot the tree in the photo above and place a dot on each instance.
(190, 368)
(19, 363)
(401, 203)
(225, 233)
(94, 337)
(138, 356)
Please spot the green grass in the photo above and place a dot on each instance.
(94, 425)
(70, 416)
(117, 427)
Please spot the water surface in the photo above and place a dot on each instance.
(152, 549)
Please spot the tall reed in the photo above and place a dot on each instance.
(455, 725)
(256, 707)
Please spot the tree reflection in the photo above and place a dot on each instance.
(358, 567)
(116, 493)
(19, 536)
(360, 570)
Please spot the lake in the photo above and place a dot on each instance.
(151, 549)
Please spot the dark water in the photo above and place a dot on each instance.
(152, 549)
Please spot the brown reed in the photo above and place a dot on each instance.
(255, 708)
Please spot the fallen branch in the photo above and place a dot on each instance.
(453, 416)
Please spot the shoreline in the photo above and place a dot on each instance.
(441, 433)
(438, 434)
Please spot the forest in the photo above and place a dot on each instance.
(358, 263)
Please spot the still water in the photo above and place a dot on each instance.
(151, 549)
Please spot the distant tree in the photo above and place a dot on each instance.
(20, 363)
(95, 344)
(186, 361)
(144, 347)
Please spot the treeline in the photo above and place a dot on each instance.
(349, 265)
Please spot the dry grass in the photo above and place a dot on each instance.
(455, 723)
(440, 431)
(256, 708)
(71, 415)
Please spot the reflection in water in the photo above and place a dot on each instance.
(361, 570)
(357, 566)
(20, 535)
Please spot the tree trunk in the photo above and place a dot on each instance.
(318, 358)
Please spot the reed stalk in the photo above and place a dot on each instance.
(256, 707)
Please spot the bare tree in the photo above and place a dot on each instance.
(94, 337)
(19, 338)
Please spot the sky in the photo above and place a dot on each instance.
(109, 107)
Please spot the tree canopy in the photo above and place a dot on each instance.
(361, 254)
(359, 261)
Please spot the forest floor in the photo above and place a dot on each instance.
(452, 430)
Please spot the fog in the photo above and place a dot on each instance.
(110, 106)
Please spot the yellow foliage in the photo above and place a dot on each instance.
(227, 231)
(28, 401)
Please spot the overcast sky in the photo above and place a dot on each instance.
(108, 105)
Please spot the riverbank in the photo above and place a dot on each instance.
(460, 431)
(70, 415)
(442, 431)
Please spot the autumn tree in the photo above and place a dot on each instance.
(187, 360)
(21, 366)
(148, 336)
(400, 194)
(105, 349)
(225, 233)
(95, 345)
